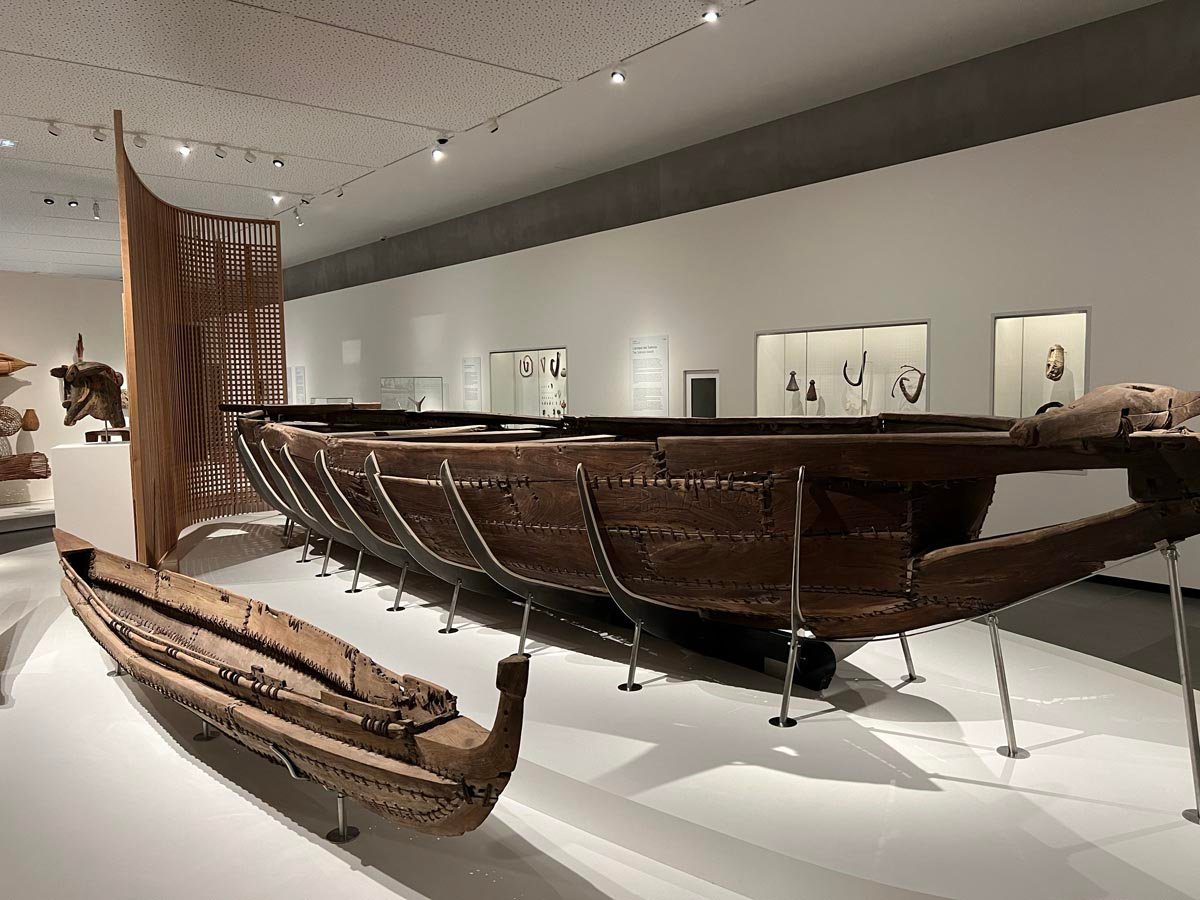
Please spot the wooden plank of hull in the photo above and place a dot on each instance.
(417, 763)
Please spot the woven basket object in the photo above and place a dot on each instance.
(10, 421)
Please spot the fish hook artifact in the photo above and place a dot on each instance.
(862, 369)
(902, 382)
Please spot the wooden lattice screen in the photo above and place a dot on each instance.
(203, 298)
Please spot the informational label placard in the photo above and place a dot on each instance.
(413, 393)
(472, 385)
(296, 387)
(649, 376)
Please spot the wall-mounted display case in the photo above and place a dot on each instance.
(411, 392)
(852, 371)
(1038, 359)
(529, 382)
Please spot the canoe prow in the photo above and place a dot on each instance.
(69, 543)
(1112, 411)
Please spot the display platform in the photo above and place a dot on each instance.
(26, 516)
(883, 790)
(93, 489)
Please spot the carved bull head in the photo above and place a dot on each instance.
(91, 389)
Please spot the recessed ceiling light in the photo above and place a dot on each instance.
(249, 156)
(99, 135)
(7, 143)
(277, 163)
(139, 141)
(277, 199)
(618, 76)
(711, 15)
(72, 203)
(220, 152)
(54, 128)
(185, 149)
(95, 210)
(49, 201)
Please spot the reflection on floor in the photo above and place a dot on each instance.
(884, 790)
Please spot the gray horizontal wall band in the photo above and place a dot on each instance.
(1139, 58)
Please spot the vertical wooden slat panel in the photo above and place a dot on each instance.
(203, 308)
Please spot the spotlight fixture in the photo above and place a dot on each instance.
(185, 149)
(7, 143)
(49, 201)
(711, 15)
(277, 199)
(72, 203)
(618, 76)
(305, 200)
(54, 128)
(277, 163)
(438, 154)
(299, 221)
(220, 152)
(99, 135)
(443, 138)
(249, 156)
(341, 190)
(493, 124)
(96, 210)
(139, 141)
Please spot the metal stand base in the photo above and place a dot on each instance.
(118, 671)
(524, 628)
(396, 607)
(630, 683)
(782, 723)
(307, 543)
(1009, 750)
(1171, 554)
(324, 573)
(206, 732)
(450, 629)
(913, 677)
(344, 833)
(354, 588)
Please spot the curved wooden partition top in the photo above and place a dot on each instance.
(203, 300)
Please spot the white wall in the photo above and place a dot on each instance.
(1102, 214)
(40, 315)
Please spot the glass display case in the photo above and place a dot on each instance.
(1038, 359)
(854, 371)
(415, 393)
(529, 382)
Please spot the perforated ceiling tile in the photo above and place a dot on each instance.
(268, 54)
(560, 39)
(74, 92)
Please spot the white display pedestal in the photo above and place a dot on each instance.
(93, 494)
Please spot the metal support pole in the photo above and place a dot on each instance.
(396, 607)
(118, 671)
(913, 677)
(1011, 750)
(344, 833)
(354, 588)
(630, 682)
(1171, 554)
(783, 720)
(307, 541)
(524, 626)
(206, 732)
(287, 530)
(450, 629)
(325, 565)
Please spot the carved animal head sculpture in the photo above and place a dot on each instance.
(91, 389)
(1112, 411)
(1056, 361)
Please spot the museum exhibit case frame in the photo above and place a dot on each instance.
(412, 392)
(1039, 357)
(844, 370)
(529, 382)
(702, 393)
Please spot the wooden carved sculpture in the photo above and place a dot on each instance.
(91, 389)
(10, 364)
(1056, 361)
(19, 466)
(30, 421)
(699, 515)
(298, 695)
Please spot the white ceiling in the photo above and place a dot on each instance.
(354, 92)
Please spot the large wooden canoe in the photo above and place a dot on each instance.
(298, 695)
(698, 515)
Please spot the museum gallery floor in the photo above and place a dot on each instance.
(886, 789)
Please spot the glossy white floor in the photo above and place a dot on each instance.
(681, 790)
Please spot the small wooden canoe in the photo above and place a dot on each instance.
(298, 695)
